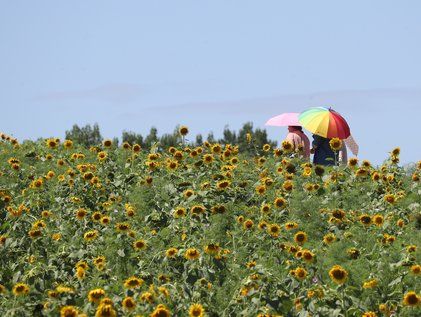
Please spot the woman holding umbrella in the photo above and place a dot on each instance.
(295, 134)
(298, 139)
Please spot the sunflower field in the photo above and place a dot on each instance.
(204, 231)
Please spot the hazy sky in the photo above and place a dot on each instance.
(129, 65)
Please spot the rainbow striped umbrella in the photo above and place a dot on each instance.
(324, 122)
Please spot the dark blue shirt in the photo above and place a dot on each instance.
(323, 154)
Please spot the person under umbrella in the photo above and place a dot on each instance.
(325, 124)
(323, 154)
(295, 134)
(299, 140)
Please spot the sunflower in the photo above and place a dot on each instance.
(122, 227)
(81, 213)
(95, 295)
(300, 237)
(20, 289)
(287, 185)
(411, 299)
(390, 198)
(128, 303)
(248, 224)
(216, 148)
(102, 156)
(308, 256)
(307, 171)
(68, 144)
(196, 310)
(370, 283)
(329, 238)
(106, 301)
(164, 291)
(366, 163)
(69, 311)
(335, 144)
(35, 233)
(172, 165)
(82, 264)
(62, 289)
(60, 162)
(105, 220)
(416, 269)
(105, 310)
(387, 239)
(99, 262)
(291, 225)
(265, 208)
(338, 274)
(287, 146)
(38, 224)
(160, 311)
(365, 219)
(90, 235)
(96, 216)
(192, 254)
(147, 297)
(260, 189)
(274, 230)
(208, 158)
(262, 225)
(139, 245)
(280, 202)
(400, 223)
(251, 264)
(183, 130)
(378, 220)
(51, 143)
(212, 248)
(188, 193)
(107, 143)
(38, 183)
(300, 273)
(80, 273)
(218, 209)
(171, 253)
(133, 282)
(197, 209)
(224, 184)
(338, 214)
(266, 147)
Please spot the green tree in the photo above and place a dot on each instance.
(132, 138)
(210, 137)
(199, 140)
(229, 136)
(87, 135)
(151, 138)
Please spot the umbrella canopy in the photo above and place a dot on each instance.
(285, 119)
(353, 146)
(324, 122)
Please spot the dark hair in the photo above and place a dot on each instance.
(297, 127)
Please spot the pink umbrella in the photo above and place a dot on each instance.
(285, 119)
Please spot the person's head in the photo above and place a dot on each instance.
(292, 128)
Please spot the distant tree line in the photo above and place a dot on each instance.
(91, 135)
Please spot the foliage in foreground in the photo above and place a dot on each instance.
(204, 231)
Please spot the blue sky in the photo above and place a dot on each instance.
(129, 65)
